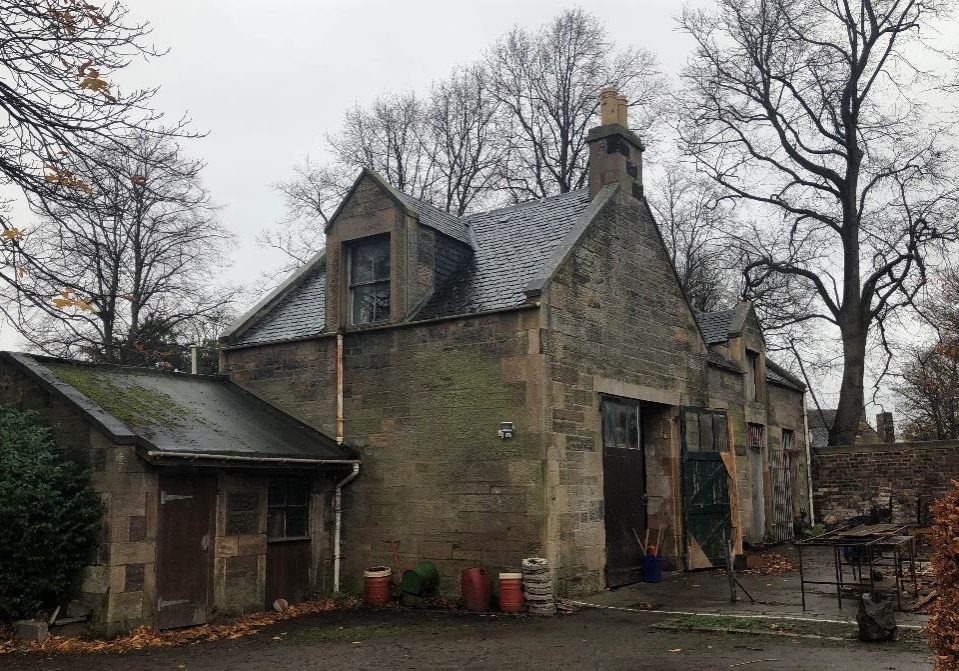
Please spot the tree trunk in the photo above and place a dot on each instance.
(851, 393)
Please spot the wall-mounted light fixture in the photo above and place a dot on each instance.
(505, 430)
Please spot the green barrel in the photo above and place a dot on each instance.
(421, 580)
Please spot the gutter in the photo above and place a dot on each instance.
(160, 454)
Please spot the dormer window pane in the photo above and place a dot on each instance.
(370, 280)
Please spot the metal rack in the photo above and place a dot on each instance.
(857, 552)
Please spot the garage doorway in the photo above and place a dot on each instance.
(624, 490)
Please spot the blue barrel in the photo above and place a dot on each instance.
(652, 569)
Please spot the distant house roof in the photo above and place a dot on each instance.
(820, 422)
(509, 247)
(175, 416)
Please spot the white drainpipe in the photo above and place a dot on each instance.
(338, 523)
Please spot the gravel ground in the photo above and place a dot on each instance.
(590, 639)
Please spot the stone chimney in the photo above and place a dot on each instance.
(885, 427)
(615, 154)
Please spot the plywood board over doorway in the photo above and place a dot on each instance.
(185, 550)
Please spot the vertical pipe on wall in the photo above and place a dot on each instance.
(338, 492)
(805, 423)
(339, 388)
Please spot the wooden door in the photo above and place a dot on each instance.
(780, 478)
(185, 550)
(624, 491)
(287, 571)
(757, 471)
(706, 506)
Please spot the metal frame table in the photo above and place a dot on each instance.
(873, 546)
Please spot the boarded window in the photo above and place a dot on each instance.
(370, 280)
(757, 436)
(754, 383)
(288, 508)
(242, 513)
(704, 430)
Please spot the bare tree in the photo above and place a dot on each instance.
(695, 223)
(388, 137)
(61, 113)
(816, 112)
(142, 257)
(548, 82)
(464, 139)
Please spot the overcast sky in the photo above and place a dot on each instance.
(268, 80)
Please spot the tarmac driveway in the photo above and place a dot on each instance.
(394, 639)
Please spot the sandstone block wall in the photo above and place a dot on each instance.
(423, 405)
(615, 323)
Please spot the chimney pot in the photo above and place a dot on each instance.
(609, 105)
(621, 110)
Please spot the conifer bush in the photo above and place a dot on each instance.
(49, 518)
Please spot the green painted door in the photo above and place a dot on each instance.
(705, 488)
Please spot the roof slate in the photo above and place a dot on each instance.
(300, 314)
(715, 325)
(512, 244)
(180, 413)
(435, 218)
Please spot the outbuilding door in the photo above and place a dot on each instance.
(184, 550)
(705, 487)
(624, 491)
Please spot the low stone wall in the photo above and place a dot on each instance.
(854, 480)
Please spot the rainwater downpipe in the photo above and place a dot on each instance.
(338, 491)
(805, 423)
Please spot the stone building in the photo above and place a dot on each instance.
(215, 502)
(529, 381)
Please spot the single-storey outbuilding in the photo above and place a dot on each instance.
(216, 502)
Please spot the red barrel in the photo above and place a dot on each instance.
(511, 592)
(476, 589)
(376, 586)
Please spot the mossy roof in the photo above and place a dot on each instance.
(182, 414)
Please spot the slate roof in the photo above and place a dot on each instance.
(779, 375)
(512, 244)
(435, 218)
(715, 358)
(299, 314)
(181, 415)
(715, 325)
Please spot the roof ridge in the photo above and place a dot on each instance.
(525, 203)
(45, 359)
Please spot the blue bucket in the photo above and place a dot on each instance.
(652, 569)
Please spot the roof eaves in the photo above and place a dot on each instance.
(117, 431)
(541, 279)
(264, 306)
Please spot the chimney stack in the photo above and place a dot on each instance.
(885, 427)
(615, 153)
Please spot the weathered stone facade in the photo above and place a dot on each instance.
(423, 403)
(119, 583)
(616, 323)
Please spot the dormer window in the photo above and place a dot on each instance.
(370, 280)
